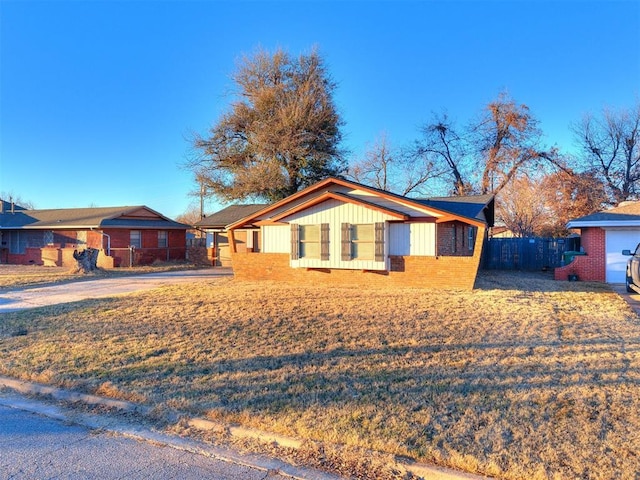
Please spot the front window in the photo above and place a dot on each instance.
(309, 241)
(135, 239)
(163, 239)
(362, 242)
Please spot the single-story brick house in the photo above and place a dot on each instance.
(603, 237)
(218, 250)
(338, 231)
(124, 235)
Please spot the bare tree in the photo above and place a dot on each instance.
(543, 205)
(571, 195)
(191, 216)
(522, 208)
(611, 147)
(395, 170)
(483, 157)
(444, 148)
(507, 140)
(377, 167)
(17, 200)
(281, 134)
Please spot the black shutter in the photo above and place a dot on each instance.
(379, 242)
(295, 241)
(324, 242)
(346, 242)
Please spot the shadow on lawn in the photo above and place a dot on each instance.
(415, 377)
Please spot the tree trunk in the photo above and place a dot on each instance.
(87, 260)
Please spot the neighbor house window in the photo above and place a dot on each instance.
(163, 239)
(363, 241)
(310, 241)
(48, 237)
(135, 239)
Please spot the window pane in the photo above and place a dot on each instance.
(135, 239)
(310, 233)
(310, 250)
(363, 251)
(309, 241)
(162, 239)
(363, 233)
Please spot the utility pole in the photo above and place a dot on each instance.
(202, 192)
(201, 199)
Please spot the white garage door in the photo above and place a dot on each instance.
(616, 241)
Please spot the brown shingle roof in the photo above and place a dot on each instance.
(229, 215)
(625, 212)
(99, 217)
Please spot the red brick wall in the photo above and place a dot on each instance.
(149, 253)
(60, 253)
(415, 271)
(592, 266)
(31, 256)
(453, 238)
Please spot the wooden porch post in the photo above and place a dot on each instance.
(232, 241)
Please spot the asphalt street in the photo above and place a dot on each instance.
(33, 446)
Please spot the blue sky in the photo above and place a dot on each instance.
(99, 98)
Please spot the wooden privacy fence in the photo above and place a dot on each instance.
(527, 253)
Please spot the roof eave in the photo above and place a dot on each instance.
(603, 224)
(398, 198)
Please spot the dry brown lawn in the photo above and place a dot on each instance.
(522, 378)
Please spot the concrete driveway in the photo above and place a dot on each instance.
(15, 300)
(633, 299)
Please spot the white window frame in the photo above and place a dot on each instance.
(163, 239)
(133, 242)
(356, 242)
(471, 236)
(305, 230)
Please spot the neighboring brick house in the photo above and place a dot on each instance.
(338, 231)
(124, 235)
(603, 236)
(218, 249)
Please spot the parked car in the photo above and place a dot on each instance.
(633, 270)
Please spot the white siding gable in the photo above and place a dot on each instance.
(335, 213)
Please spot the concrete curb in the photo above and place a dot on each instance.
(427, 472)
(30, 388)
